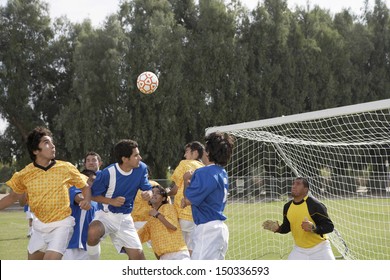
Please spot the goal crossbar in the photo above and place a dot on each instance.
(320, 114)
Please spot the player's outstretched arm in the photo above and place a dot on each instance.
(9, 199)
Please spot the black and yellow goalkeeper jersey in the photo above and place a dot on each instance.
(294, 214)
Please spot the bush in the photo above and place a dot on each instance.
(4, 189)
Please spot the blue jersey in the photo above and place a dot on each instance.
(112, 182)
(26, 208)
(82, 220)
(207, 192)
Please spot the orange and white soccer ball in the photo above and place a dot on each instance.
(147, 82)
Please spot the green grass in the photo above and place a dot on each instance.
(13, 239)
(363, 223)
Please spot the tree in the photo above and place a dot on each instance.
(24, 33)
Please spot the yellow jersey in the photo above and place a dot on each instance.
(164, 240)
(48, 188)
(177, 177)
(141, 207)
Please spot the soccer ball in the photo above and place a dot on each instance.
(147, 82)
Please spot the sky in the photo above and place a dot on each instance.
(97, 10)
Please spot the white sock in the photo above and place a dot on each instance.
(93, 252)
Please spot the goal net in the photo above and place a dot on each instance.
(344, 152)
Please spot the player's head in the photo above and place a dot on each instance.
(34, 139)
(193, 150)
(159, 195)
(218, 148)
(91, 174)
(92, 161)
(300, 187)
(125, 148)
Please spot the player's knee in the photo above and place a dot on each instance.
(95, 232)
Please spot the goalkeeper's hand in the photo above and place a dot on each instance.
(271, 225)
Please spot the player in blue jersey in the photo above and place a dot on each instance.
(29, 217)
(206, 191)
(77, 248)
(115, 187)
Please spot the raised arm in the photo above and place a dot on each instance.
(10, 199)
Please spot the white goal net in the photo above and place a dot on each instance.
(344, 152)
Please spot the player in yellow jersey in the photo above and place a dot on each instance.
(163, 228)
(141, 207)
(309, 223)
(193, 155)
(46, 181)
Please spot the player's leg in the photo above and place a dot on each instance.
(30, 229)
(36, 246)
(29, 217)
(96, 231)
(38, 255)
(135, 254)
(50, 240)
(210, 241)
(58, 238)
(187, 228)
(52, 255)
(127, 238)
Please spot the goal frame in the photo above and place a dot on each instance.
(380, 105)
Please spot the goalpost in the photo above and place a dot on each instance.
(344, 152)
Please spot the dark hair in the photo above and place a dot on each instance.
(219, 147)
(124, 148)
(91, 153)
(304, 181)
(88, 172)
(34, 138)
(196, 146)
(163, 192)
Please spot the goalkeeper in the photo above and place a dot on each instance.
(308, 221)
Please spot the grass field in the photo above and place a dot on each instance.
(13, 240)
(364, 224)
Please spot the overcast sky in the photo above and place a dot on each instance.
(97, 10)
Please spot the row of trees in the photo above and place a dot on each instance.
(218, 63)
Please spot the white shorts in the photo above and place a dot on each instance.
(29, 215)
(322, 251)
(139, 224)
(53, 236)
(120, 227)
(210, 241)
(181, 255)
(187, 227)
(75, 254)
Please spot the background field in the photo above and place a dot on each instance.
(247, 238)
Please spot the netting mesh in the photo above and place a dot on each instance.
(346, 160)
